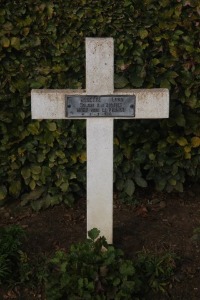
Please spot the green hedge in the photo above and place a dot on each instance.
(42, 46)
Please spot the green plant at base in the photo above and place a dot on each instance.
(15, 265)
(95, 270)
(92, 269)
(10, 253)
(155, 270)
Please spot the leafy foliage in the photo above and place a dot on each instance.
(10, 253)
(16, 267)
(95, 270)
(90, 270)
(156, 270)
(42, 46)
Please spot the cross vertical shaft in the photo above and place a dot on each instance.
(99, 81)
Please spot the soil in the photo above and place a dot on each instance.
(159, 223)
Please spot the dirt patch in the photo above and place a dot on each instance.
(159, 223)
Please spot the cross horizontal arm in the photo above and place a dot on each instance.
(150, 103)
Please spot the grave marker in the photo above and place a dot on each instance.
(99, 104)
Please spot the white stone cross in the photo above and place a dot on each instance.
(51, 104)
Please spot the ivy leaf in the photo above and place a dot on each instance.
(141, 182)
(127, 269)
(36, 205)
(129, 187)
(195, 141)
(26, 172)
(152, 156)
(116, 281)
(50, 200)
(40, 157)
(46, 171)
(165, 84)
(83, 157)
(15, 43)
(15, 188)
(172, 181)
(52, 126)
(137, 81)
(33, 195)
(64, 186)
(120, 81)
(5, 42)
(160, 184)
(155, 61)
(60, 154)
(187, 149)
(36, 170)
(93, 234)
(33, 128)
(69, 200)
(182, 141)
(180, 120)
(143, 33)
(74, 158)
(179, 187)
(72, 175)
(41, 81)
(32, 184)
(121, 46)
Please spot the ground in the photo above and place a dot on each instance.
(159, 223)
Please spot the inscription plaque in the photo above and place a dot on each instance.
(100, 106)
